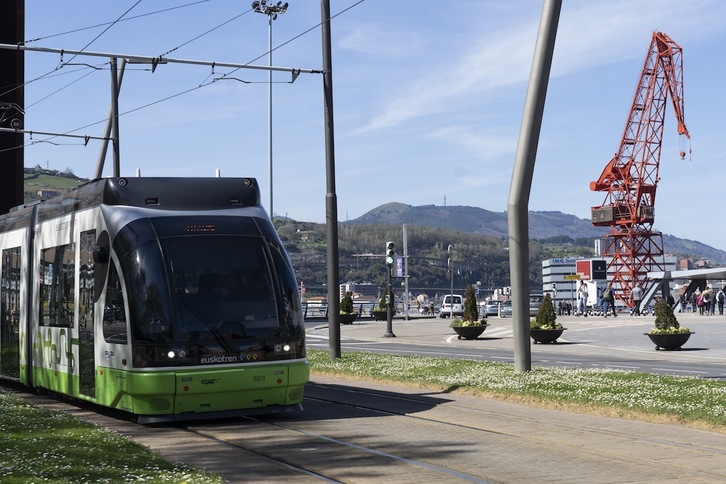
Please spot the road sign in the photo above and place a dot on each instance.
(571, 277)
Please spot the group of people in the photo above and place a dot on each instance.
(706, 302)
(605, 300)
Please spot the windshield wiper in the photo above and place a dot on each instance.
(204, 319)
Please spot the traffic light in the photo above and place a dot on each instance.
(390, 253)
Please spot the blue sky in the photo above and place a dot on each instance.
(428, 100)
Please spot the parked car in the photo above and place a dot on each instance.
(490, 308)
(535, 301)
(445, 309)
(507, 309)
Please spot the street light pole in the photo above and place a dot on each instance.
(272, 11)
(451, 270)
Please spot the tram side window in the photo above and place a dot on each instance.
(10, 292)
(114, 313)
(57, 303)
(86, 279)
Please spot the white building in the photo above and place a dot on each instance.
(559, 276)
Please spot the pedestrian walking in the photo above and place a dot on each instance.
(720, 296)
(637, 296)
(608, 298)
(582, 299)
(706, 295)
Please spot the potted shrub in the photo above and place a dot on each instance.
(380, 312)
(470, 327)
(544, 328)
(667, 334)
(347, 311)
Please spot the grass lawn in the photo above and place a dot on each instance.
(691, 401)
(47, 446)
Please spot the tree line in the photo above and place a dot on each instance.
(476, 258)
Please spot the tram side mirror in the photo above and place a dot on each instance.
(100, 254)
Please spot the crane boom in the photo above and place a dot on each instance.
(630, 178)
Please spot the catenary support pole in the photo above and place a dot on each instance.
(518, 204)
(331, 201)
(109, 124)
(114, 108)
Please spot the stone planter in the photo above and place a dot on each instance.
(545, 335)
(669, 341)
(380, 314)
(469, 332)
(347, 318)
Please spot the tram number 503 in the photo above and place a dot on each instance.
(258, 378)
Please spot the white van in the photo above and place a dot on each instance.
(445, 309)
(535, 301)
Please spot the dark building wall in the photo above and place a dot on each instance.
(12, 65)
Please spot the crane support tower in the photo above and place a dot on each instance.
(630, 179)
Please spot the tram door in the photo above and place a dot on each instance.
(86, 329)
(10, 313)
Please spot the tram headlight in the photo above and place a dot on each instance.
(282, 348)
(173, 354)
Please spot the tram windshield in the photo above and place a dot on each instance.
(211, 296)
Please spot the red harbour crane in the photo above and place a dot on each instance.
(630, 179)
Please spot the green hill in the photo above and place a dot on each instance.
(38, 180)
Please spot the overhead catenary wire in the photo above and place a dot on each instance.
(161, 59)
(135, 17)
(99, 35)
(62, 64)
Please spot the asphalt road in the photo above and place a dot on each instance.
(592, 342)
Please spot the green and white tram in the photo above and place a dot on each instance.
(168, 298)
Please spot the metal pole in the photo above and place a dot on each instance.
(269, 114)
(114, 110)
(272, 11)
(109, 125)
(522, 181)
(331, 201)
(406, 299)
(451, 270)
(389, 305)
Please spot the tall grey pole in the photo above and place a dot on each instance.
(450, 250)
(406, 299)
(114, 110)
(522, 181)
(389, 304)
(331, 201)
(272, 11)
(109, 123)
(269, 111)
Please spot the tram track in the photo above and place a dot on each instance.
(523, 419)
(362, 453)
(327, 458)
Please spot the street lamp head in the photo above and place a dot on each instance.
(273, 10)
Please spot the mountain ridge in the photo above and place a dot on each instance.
(542, 225)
